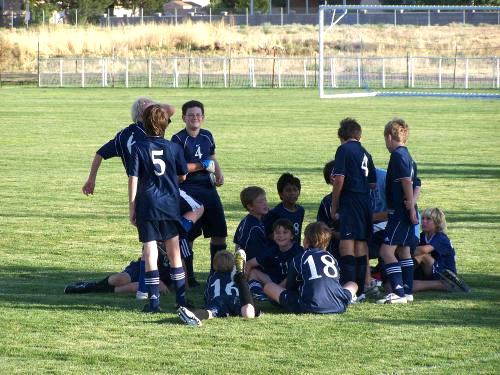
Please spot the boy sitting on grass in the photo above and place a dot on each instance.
(224, 295)
(312, 284)
(435, 267)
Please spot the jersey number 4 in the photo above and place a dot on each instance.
(329, 269)
(157, 161)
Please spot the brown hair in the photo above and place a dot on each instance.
(349, 128)
(223, 261)
(155, 120)
(286, 224)
(249, 194)
(398, 129)
(317, 235)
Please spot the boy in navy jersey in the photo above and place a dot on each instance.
(126, 281)
(273, 266)
(156, 166)
(312, 284)
(354, 176)
(121, 146)
(225, 295)
(289, 190)
(435, 267)
(250, 234)
(401, 180)
(324, 211)
(204, 174)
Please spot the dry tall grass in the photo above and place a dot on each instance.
(18, 47)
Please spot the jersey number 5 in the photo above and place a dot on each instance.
(158, 161)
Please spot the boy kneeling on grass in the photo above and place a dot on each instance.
(313, 284)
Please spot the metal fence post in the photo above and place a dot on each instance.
(333, 73)
(279, 72)
(305, 72)
(149, 72)
(281, 15)
(383, 73)
(440, 73)
(201, 72)
(126, 72)
(498, 73)
(412, 72)
(395, 18)
(83, 72)
(359, 72)
(466, 73)
(224, 68)
(357, 16)
(428, 17)
(60, 72)
(463, 18)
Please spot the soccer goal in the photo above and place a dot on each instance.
(358, 74)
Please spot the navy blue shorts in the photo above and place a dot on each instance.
(222, 307)
(157, 230)
(374, 244)
(355, 217)
(290, 300)
(133, 270)
(398, 231)
(213, 221)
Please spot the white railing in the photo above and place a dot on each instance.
(259, 72)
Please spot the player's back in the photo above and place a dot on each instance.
(356, 165)
(157, 163)
(220, 285)
(320, 291)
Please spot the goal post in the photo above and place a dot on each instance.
(357, 76)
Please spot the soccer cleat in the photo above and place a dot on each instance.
(372, 289)
(141, 295)
(80, 287)
(358, 299)
(409, 297)
(188, 317)
(240, 258)
(392, 298)
(452, 279)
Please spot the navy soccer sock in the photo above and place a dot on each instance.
(152, 280)
(142, 272)
(243, 289)
(103, 286)
(361, 264)
(394, 273)
(179, 280)
(407, 273)
(347, 264)
(213, 251)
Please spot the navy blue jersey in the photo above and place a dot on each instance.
(316, 276)
(222, 295)
(157, 163)
(251, 237)
(276, 262)
(401, 166)
(280, 212)
(356, 165)
(196, 149)
(121, 144)
(443, 252)
(324, 215)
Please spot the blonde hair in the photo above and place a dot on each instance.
(398, 129)
(437, 216)
(138, 107)
(317, 235)
(223, 261)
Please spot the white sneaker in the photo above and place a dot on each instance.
(392, 298)
(359, 299)
(141, 295)
(409, 297)
(188, 317)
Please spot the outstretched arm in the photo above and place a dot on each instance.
(88, 187)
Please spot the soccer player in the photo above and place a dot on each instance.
(289, 191)
(250, 234)
(204, 174)
(126, 281)
(156, 166)
(324, 211)
(273, 265)
(435, 267)
(121, 146)
(313, 284)
(354, 174)
(401, 181)
(224, 295)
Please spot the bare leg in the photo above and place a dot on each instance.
(273, 291)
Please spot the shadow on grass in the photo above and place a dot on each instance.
(42, 288)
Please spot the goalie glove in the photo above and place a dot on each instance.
(208, 165)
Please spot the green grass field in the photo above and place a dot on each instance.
(51, 235)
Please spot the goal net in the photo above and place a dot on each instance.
(347, 68)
